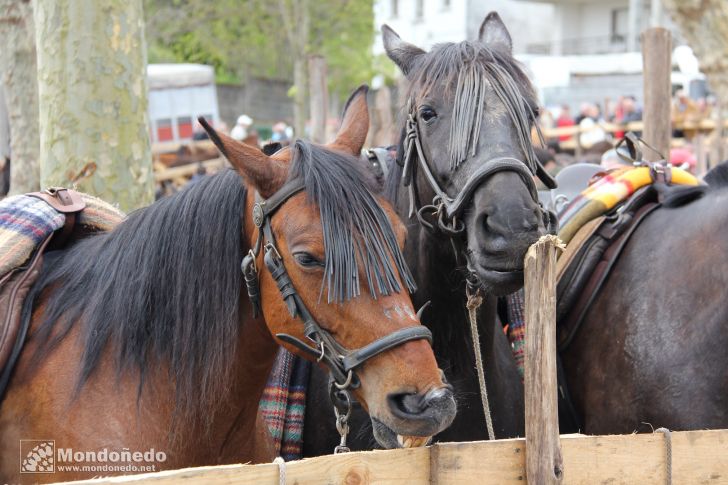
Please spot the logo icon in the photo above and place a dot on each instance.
(37, 456)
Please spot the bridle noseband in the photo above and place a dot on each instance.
(341, 362)
(448, 210)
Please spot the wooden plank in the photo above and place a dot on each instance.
(656, 58)
(544, 464)
(173, 146)
(697, 457)
(188, 170)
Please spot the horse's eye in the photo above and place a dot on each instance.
(533, 113)
(427, 114)
(307, 260)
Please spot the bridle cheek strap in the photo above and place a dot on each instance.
(341, 362)
(446, 208)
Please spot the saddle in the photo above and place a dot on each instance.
(16, 283)
(595, 248)
(589, 257)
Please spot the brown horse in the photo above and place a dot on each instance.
(142, 351)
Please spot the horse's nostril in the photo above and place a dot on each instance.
(406, 404)
(409, 405)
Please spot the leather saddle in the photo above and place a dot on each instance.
(589, 257)
(15, 285)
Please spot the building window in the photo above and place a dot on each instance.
(184, 127)
(164, 129)
(419, 9)
(619, 28)
(395, 8)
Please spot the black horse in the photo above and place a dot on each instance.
(650, 351)
(466, 147)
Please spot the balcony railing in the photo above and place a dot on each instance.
(611, 44)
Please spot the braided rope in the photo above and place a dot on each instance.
(281, 470)
(474, 302)
(668, 452)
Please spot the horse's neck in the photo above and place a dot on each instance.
(245, 434)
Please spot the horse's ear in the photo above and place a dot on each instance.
(354, 123)
(266, 175)
(494, 34)
(403, 54)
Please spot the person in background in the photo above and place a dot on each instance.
(564, 121)
(241, 128)
(591, 131)
(280, 134)
(684, 110)
(630, 111)
(583, 110)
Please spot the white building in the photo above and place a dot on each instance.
(587, 27)
(575, 50)
(428, 22)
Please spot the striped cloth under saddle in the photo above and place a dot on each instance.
(27, 221)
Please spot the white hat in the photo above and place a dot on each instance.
(245, 120)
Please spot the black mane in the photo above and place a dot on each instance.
(355, 226)
(164, 287)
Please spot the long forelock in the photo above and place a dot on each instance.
(471, 67)
(355, 227)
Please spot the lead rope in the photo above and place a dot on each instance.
(281, 470)
(475, 299)
(668, 453)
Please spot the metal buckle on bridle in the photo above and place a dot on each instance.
(438, 209)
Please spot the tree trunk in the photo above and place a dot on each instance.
(295, 17)
(319, 97)
(18, 71)
(299, 96)
(704, 24)
(93, 99)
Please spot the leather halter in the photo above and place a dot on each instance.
(340, 361)
(449, 209)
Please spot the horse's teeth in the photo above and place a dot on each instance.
(412, 441)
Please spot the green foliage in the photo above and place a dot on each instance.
(247, 38)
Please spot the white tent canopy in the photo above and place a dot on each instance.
(168, 76)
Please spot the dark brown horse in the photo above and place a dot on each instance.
(650, 350)
(142, 338)
(470, 109)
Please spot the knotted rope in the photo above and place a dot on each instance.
(475, 299)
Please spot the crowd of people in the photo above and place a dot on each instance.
(591, 134)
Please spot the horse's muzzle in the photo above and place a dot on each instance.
(423, 415)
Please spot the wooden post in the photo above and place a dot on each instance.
(656, 55)
(319, 98)
(544, 463)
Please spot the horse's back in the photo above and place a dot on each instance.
(652, 347)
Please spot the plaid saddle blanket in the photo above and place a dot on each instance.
(283, 404)
(26, 221)
(604, 196)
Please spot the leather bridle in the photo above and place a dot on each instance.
(448, 210)
(341, 362)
